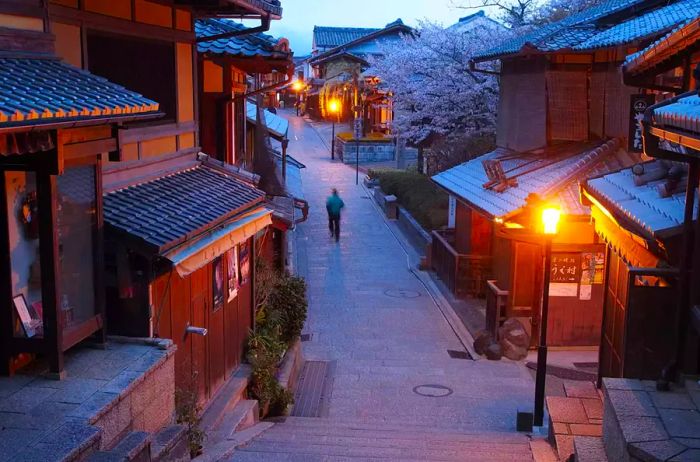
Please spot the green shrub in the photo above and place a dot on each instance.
(417, 193)
(288, 300)
(280, 315)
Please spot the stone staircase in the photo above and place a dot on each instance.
(310, 439)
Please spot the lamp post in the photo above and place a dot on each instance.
(333, 109)
(550, 226)
(297, 86)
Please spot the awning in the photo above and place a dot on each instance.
(277, 126)
(191, 256)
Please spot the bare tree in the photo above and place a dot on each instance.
(513, 13)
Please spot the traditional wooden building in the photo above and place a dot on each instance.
(566, 115)
(60, 123)
(645, 215)
(82, 150)
(342, 66)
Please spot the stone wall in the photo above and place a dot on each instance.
(146, 403)
(370, 151)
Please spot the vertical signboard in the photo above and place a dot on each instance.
(638, 104)
(452, 211)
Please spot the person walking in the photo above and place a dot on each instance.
(333, 206)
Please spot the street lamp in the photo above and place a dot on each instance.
(550, 226)
(297, 86)
(334, 110)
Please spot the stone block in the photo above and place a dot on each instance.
(622, 384)
(565, 446)
(681, 422)
(655, 450)
(631, 403)
(593, 408)
(640, 429)
(581, 389)
(115, 422)
(586, 429)
(95, 406)
(671, 400)
(567, 410)
(560, 428)
(589, 449)
(689, 455)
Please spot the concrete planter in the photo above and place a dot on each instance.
(369, 150)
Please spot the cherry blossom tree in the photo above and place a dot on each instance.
(434, 90)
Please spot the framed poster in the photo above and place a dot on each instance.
(244, 262)
(218, 282)
(232, 266)
(565, 275)
(23, 313)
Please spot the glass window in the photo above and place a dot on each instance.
(23, 230)
(77, 222)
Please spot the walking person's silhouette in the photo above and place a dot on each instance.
(333, 206)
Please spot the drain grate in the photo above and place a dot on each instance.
(401, 293)
(456, 354)
(306, 337)
(585, 365)
(433, 391)
(313, 388)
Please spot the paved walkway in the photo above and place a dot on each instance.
(371, 316)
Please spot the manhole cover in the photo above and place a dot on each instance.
(433, 391)
(455, 354)
(400, 293)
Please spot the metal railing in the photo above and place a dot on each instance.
(463, 274)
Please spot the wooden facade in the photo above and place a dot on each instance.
(147, 47)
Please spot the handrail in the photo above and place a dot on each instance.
(491, 283)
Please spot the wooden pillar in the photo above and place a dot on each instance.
(50, 270)
(6, 327)
(99, 255)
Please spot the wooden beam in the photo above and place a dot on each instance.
(50, 270)
(134, 135)
(32, 9)
(117, 25)
(16, 40)
(6, 309)
(88, 148)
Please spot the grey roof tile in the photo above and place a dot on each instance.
(172, 207)
(37, 91)
(590, 29)
(247, 46)
(554, 172)
(641, 204)
(331, 37)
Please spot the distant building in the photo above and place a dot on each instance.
(478, 19)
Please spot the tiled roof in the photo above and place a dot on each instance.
(168, 210)
(683, 114)
(643, 205)
(247, 46)
(589, 29)
(276, 125)
(44, 91)
(652, 23)
(676, 41)
(554, 172)
(331, 37)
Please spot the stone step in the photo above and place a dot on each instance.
(492, 453)
(301, 423)
(170, 444)
(589, 449)
(400, 434)
(134, 447)
(226, 399)
(223, 449)
(389, 441)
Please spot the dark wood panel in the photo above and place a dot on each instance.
(25, 41)
(119, 26)
(200, 282)
(181, 317)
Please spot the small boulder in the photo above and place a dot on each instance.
(513, 331)
(482, 340)
(493, 352)
(511, 351)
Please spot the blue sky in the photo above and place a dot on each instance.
(300, 16)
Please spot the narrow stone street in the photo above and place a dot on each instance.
(386, 343)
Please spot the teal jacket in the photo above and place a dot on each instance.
(333, 205)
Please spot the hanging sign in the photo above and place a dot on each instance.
(638, 104)
(357, 128)
(452, 211)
